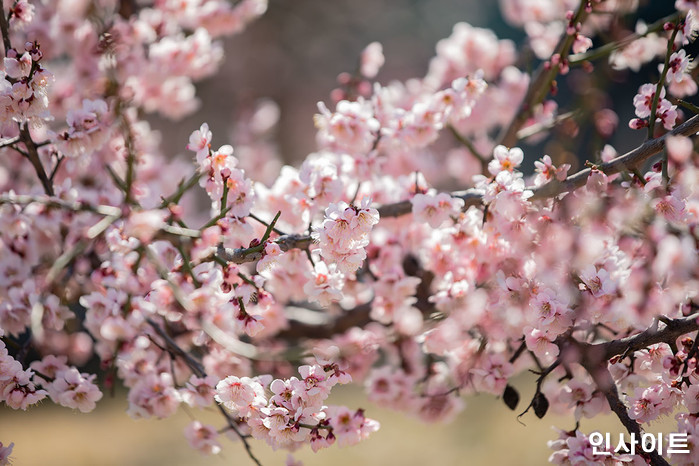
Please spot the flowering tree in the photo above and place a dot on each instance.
(353, 267)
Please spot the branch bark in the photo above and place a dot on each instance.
(541, 84)
(595, 358)
(33, 156)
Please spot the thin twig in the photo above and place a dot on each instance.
(541, 83)
(610, 47)
(5, 29)
(661, 82)
(33, 155)
(182, 188)
(469, 145)
(605, 383)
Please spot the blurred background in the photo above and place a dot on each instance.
(293, 55)
(295, 51)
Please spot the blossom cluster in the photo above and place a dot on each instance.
(362, 255)
(293, 412)
(345, 233)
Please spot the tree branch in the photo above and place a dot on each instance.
(541, 84)
(33, 156)
(198, 369)
(595, 358)
(671, 330)
(554, 188)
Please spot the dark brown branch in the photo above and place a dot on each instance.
(192, 363)
(198, 369)
(5, 30)
(622, 163)
(539, 381)
(671, 330)
(285, 242)
(182, 188)
(33, 156)
(20, 199)
(605, 383)
(541, 84)
(356, 317)
(595, 358)
(32, 153)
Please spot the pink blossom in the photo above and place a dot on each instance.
(5, 452)
(344, 234)
(646, 404)
(670, 207)
(314, 378)
(75, 390)
(691, 398)
(492, 373)
(505, 159)
(679, 65)
(239, 394)
(88, 129)
(679, 148)
(271, 252)
(540, 344)
(22, 13)
(325, 284)
(352, 127)
(644, 99)
(583, 397)
(371, 60)
(17, 390)
(202, 438)
(546, 171)
(435, 209)
(350, 428)
(153, 395)
(597, 281)
(200, 142)
(144, 224)
(199, 392)
(683, 86)
(48, 367)
(581, 44)
(18, 67)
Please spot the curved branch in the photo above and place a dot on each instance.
(474, 197)
(21, 199)
(32, 155)
(545, 75)
(604, 381)
(554, 188)
(671, 330)
(622, 163)
(595, 358)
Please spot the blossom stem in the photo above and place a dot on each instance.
(5, 29)
(688, 105)
(258, 219)
(469, 145)
(33, 155)
(541, 84)
(198, 369)
(607, 49)
(214, 220)
(188, 266)
(224, 201)
(182, 188)
(605, 383)
(661, 83)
